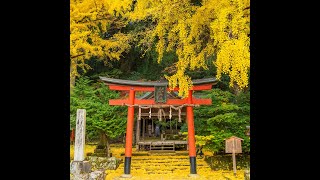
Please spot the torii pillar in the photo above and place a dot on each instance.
(129, 133)
(191, 136)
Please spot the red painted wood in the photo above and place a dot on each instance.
(202, 87)
(130, 122)
(191, 138)
(201, 101)
(152, 102)
(146, 102)
(120, 102)
(128, 88)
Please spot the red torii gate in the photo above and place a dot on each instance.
(133, 86)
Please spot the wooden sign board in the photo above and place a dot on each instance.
(233, 145)
(160, 94)
(233, 142)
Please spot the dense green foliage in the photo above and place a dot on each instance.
(100, 116)
(228, 116)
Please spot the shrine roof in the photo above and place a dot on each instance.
(212, 80)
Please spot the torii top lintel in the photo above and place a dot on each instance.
(120, 84)
(127, 85)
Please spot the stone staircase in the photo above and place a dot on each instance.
(163, 166)
(168, 147)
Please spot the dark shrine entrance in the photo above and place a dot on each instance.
(158, 126)
(156, 105)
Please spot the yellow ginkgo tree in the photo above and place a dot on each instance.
(94, 32)
(196, 32)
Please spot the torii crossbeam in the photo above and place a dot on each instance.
(160, 89)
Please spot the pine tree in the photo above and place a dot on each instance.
(103, 119)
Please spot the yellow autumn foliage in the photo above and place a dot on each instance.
(196, 33)
(90, 23)
(203, 140)
(88, 149)
(231, 35)
(217, 27)
(168, 167)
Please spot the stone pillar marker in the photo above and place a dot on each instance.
(80, 135)
(78, 167)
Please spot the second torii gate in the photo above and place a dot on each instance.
(160, 89)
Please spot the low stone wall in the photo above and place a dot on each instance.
(103, 162)
(81, 170)
(95, 175)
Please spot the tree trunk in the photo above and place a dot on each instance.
(103, 139)
(104, 143)
(72, 78)
(108, 147)
(236, 90)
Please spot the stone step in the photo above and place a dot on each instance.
(140, 164)
(100, 151)
(164, 174)
(159, 150)
(160, 161)
(160, 173)
(171, 167)
(169, 159)
(161, 158)
(165, 162)
(160, 153)
(166, 167)
(143, 167)
(171, 170)
(138, 154)
(163, 166)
